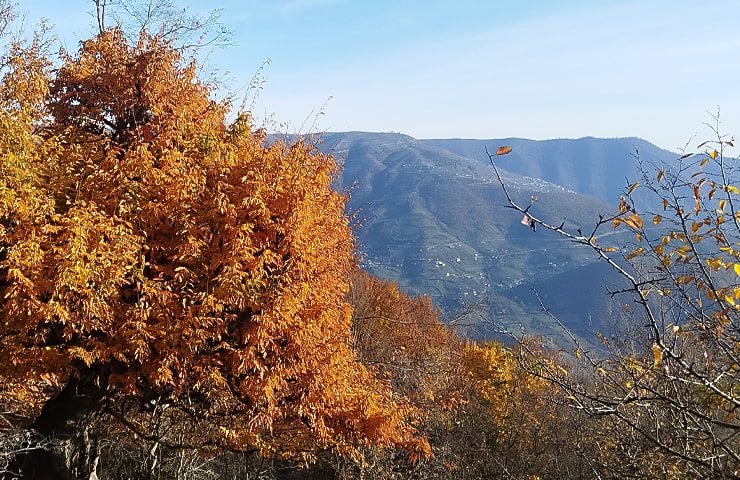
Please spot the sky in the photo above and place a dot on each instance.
(652, 69)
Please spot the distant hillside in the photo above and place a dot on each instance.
(591, 166)
(435, 221)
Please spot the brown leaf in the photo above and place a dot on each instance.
(503, 150)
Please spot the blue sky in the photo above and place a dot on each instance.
(476, 69)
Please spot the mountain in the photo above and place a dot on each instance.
(435, 220)
(591, 166)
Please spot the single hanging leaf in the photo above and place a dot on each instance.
(657, 354)
(503, 150)
(623, 207)
(528, 221)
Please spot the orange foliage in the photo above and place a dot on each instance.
(152, 248)
(404, 339)
(482, 406)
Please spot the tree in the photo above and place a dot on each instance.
(157, 259)
(670, 391)
(485, 416)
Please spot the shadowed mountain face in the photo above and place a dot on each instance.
(435, 221)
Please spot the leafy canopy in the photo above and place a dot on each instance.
(149, 248)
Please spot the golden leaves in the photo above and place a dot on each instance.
(715, 263)
(623, 207)
(657, 354)
(634, 221)
(632, 188)
(155, 240)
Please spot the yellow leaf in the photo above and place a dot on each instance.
(623, 207)
(661, 174)
(634, 221)
(733, 189)
(638, 251)
(633, 187)
(657, 354)
(736, 267)
(704, 163)
(657, 219)
(614, 249)
(715, 263)
(713, 154)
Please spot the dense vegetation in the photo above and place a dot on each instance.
(179, 299)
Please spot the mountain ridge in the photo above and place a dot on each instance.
(434, 219)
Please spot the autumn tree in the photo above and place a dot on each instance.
(156, 258)
(404, 338)
(669, 392)
(485, 416)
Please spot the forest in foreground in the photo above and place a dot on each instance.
(180, 298)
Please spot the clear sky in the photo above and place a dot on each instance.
(477, 69)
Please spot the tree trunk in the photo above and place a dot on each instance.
(65, 450)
